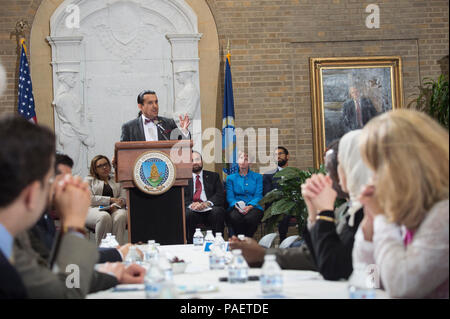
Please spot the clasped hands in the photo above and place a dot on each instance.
(246, 209)
(118, 201)
(199, 205)
(72, 200)
(318, 194)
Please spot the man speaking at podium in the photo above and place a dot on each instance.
(151, 127)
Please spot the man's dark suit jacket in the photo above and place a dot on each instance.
(269, 182)
(213, 189)
(368, 111)
(42, 236)
(100, 281)
(134, 130)
(11, 285)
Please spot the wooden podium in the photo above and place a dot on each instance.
(159, 217)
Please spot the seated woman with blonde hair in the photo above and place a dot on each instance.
(112, 217)
(405, 228)
(244, 191)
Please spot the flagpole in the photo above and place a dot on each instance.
(19, 32)
(25, 102)
(228, 51)
(22, 43)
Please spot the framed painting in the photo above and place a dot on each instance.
(347, 92)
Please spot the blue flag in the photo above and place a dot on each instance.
(25, 105)
(229, 152)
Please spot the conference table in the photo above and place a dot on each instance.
(198, 281)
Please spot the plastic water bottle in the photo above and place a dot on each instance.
(113, 242)
(165, 266)
(132, 256)
(104, 243)
(271, 280)
(219, 241)
(209, 240)
(238, 269)
(150, 251)
(360, 285)
(216, 256)
(198, 238)
(154, 280)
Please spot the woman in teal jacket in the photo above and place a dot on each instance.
(244, 191)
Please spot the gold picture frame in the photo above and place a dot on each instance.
(336, 85)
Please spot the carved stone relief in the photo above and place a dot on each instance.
(126, 46)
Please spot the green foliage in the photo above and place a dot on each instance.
(433, 99)
(287, 198)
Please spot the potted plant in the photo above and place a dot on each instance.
(433, 99)
(287, 198)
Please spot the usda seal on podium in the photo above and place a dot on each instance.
(154, 173)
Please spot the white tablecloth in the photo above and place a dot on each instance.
(296, 284)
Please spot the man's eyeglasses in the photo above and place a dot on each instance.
(105, 165)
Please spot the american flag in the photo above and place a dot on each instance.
(26, 100)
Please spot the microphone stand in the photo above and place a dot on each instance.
(161, 130)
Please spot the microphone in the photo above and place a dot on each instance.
(161, 129)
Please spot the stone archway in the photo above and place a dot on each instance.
(207, 67)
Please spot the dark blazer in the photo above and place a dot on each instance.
(42, 236)
(332, 252)
(45, 230)
(109, 255)
(11, 285)
(134, 130)
(269, 182)
(39, 277)
(349, 113)
(213, 189)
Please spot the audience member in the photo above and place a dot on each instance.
(244, 191)
(299, 257)
(107, 213)
(42, 234)
(332, 251)
(270, 183)
(26, 182)
(405, 228)
(204, 199)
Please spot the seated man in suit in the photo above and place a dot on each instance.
(270, 183)
(27, 180)
(204, 199)
(148, 126)
(26, 159)
(42, 235)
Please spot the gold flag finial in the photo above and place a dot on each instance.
(19, 31)
(228, 50)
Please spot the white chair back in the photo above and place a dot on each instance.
(267, 240)
(288, 241)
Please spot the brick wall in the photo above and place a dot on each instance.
(12, 11)
(271, 42)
